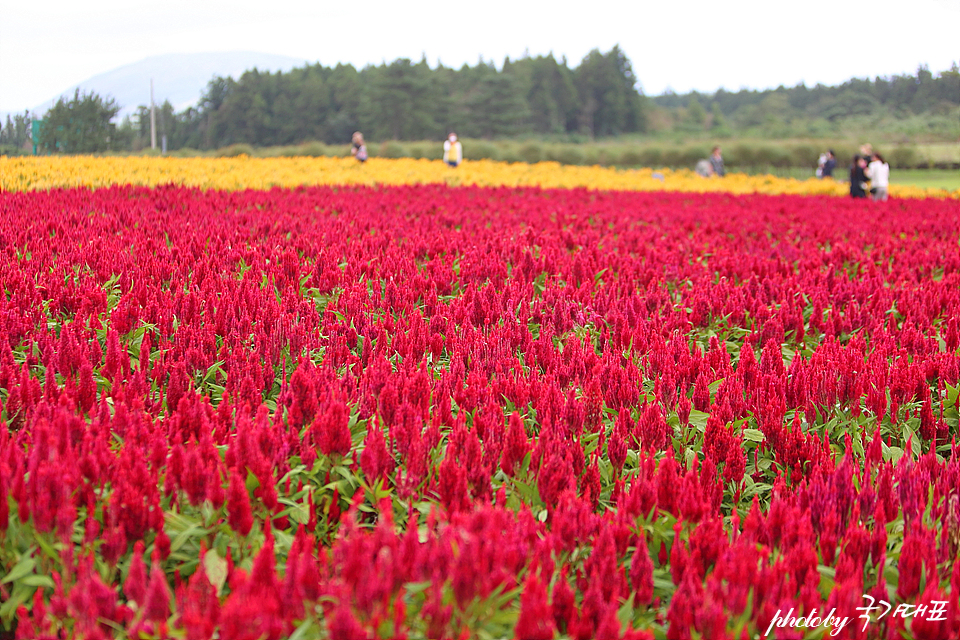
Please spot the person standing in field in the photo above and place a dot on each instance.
(716, 162)
(829, 164)
(858, 177)
(452, 151)
(359, 148)
(879, 177)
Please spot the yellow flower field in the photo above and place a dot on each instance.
(38, 173)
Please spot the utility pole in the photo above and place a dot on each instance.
(153, 119)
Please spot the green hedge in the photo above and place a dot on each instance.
(745, 155)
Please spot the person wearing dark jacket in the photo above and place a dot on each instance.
(716, 162)
(858, 177)
(829, 165)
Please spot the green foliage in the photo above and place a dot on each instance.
(694, 116)
(610, 104)
(236, 150)
(404, 100)
(923, 105)
(392, 149)
(314, 150)
(12, 150)
(497, 108)
(903, 157)
(83, 124)
(929, 178)
(531, 152)
(426, 150)
(565, 154)
(480, 150)
(15, 133)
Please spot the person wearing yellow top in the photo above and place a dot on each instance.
(452, 151)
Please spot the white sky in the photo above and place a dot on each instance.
(49, 45)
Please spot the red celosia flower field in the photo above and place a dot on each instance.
(432, 412)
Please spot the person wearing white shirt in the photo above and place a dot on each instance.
(452, 151)
(879, 172)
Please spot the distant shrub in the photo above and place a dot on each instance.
(339, 150)
(566, 154)
(392, 149)
(479, 150)
(609, 156)
(631, 158)
(773, 156)
(187, 152)
(742, 155)
(672, 157)
(235, 150)
(844, 153)
(591, 156)
(426, 150)
(690, 155)
(531, 152)
(313, 150)
(13, 150)
(416, 150)
(509, 153)
(805, 155)
(651, 157)
(280, 152)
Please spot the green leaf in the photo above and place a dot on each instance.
(699, 419)
(216, 569)
(22, 568)
(753, 435)
(253, 482)
(211, 370)
(414, 588)
(690, 457)
(891, 454)
(953, 395)
(37, 581)
(625, 613)
(21, 594)
(183, 537)
(305, 630)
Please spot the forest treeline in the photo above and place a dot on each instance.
(404, 100)
(920, 105)
(532, 97)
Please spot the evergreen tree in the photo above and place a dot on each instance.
(610, 104)
(498, 107)
(16, 131)
(402, 102)
(696, 115)
(552, 96)
(83, 124)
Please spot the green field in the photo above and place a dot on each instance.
(927, 178)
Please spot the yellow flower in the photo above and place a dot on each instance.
(49, 172)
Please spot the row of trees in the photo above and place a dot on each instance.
(540, 97)
(404, 100)
(900, 96)
(401, 100)
(82, 124)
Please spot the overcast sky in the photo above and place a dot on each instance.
(50, 45)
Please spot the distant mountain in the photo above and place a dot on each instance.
(178, 77)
